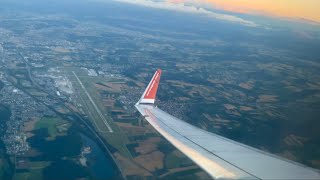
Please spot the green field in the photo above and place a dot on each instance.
(172, 161)
(32, 175)
(51, 124)
(4, 168)
(34, 171)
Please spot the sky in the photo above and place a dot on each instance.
(295, 9)
(190, 8)
(302, 10)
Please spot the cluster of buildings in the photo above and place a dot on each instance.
(23, 108)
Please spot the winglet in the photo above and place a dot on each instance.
(149, 95)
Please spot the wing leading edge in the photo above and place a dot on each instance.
(220, 157)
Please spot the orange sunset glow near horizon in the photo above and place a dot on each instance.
(296, 9)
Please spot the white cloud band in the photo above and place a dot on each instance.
(189, 9)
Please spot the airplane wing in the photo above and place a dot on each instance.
(220, 157)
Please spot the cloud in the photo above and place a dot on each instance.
(292, 9)
(182, 7)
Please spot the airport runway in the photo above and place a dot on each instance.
(94, 104)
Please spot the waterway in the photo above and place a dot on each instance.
(99, 163)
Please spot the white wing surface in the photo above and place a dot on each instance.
(220, 157)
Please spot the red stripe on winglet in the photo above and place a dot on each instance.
(152, 89)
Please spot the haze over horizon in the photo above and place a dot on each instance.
(295, 9)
